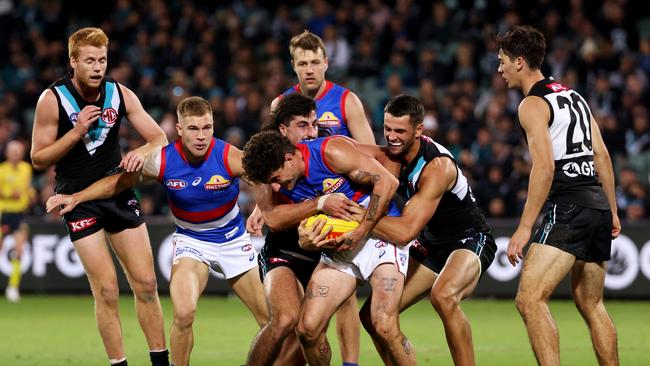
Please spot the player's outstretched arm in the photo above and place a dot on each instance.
(603, 165)
(142, 122)
(103, 188)
(46, 149)
(534, 115)
(437, 177)
(107, 187)
(357, 122)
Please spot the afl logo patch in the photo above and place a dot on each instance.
(109, 115)
(175, 184)
(73, 117)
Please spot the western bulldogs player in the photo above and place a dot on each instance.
(201, 176)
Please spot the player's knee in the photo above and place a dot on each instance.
(444, 300)
(283, 324)
(588, 307)
(525, 303)
(184, 316)
(146, 288)
(307, 332)
(107, 295)
(385, 325)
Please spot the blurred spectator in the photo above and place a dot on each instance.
(233, 53)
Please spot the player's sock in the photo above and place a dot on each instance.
(350, 364)
(14, 278)
(159, 358)
(119, 362)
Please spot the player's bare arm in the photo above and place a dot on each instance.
(234, 162)
(142, 122)
(280, 215)
(357, 121)
(255, 222)
(341, 156)
(534, 115)
(438, 177)
(274, 104)
(379, 153)
(107, 186)
(46, 149)
(603, 166)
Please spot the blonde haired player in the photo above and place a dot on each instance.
(76, 128)
(16, 194)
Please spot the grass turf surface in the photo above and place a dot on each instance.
(60, 330)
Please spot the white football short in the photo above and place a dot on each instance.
(231, 258)
(362, 261)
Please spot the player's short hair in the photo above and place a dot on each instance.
(524, 41)
(294, 104)
(264, 154)
(193, 107)
(307, 41)
(402, 105)
(88, 36)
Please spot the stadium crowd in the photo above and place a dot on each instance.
(235, 54)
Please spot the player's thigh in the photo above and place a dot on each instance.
(587, 282)
(328, 288)
(248, 287)
(460, 274)
(387, 284)
(283, 292)
(188, 280)
(418, 283)
(544, 267)
(95, 256)
(133, 249)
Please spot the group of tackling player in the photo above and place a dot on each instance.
(421, 232)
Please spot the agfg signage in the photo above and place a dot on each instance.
(50, 263)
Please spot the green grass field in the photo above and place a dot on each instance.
(60, 330)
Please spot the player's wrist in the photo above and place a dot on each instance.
(321, 202)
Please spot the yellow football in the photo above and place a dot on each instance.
(339, 227)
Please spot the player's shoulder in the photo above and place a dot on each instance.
(46, 98)
(531, 103)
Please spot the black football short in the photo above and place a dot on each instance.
(584, 232)
(113, 215)
(434, 255)
(11, 222)
(281, 250)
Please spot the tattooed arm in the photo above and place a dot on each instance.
(438, 177)
(343, 157)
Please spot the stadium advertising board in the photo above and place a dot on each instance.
(50, 264)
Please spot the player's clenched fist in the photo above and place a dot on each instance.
(85, 118)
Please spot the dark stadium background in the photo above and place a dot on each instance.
(235, 54)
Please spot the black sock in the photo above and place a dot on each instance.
(123, 363)
(160, 358)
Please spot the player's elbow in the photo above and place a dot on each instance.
(38, 163)
(404, 237)
(160, 139)
(274, 223)
(391, 184)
